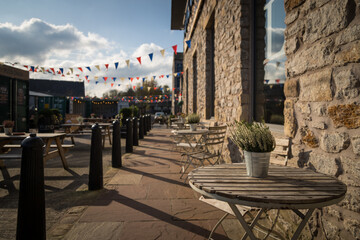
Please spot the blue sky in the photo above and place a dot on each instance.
(85, 33)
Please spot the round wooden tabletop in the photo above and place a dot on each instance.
(284, 187)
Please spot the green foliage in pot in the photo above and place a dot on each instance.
(193, 118)
(8, 123)
(252, 137)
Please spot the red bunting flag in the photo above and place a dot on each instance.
(139, 59)
(80, 69)
(53, 70)
(88, 81)
(173, 89)
(131, 79)
(26, 66)
(277, 80)
(112, 85)
(155, 88)
(137, 78)
(134, 87)
(107, 66)
(105, 78)
(175, 49)
(78, 75)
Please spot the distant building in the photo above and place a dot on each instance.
(57, 94)
(14, 96)
(177, 81)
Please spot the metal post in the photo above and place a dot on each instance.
(129, 136)
(96, 169)
(116, 146)
(31, 208)
(149, 117)
(145, 125)
(135, 132)
(141, 127)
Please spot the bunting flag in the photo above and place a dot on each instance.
(137, 78)
(188, 42)
(96, 82)
(175, 49)
(80, 69)
(118, 85)
(96, 77)
(98, 67)
(88, 81)
(266, 81)
(53, 70)
(139, 59)
(62, 71)
(167, 76)
(32, 69)
(154, 77)
(122, 79)
(112, 85)
(149, 88)
(105, 78)
(107, 66)
(277, 80)
(151, 56)
(26, 66)
(116, 65)
(86, 77)
(72, 70)
(88, 68)
(143, 79)
(128, 63)
(162, 52)
(114, 78)
(134, 87)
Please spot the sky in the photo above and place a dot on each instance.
(77, 33)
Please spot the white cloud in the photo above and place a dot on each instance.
(38, 43)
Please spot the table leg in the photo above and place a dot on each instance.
(305, 219)
(243, 222)
(61, 153)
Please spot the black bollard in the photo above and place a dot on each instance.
(116, 146)
(148, 122)
(96, 169)
(129, 136)
(31, 208)
(135, 132)
(145, 125)
(141, 127)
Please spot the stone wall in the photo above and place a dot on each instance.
(322, 108)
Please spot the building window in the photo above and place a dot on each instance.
(210, 69)
(274, 63)
(194, 97)
(187, 91)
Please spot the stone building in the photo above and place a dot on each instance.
(293, 63)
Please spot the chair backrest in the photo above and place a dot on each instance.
(215, 139)
(281, 152)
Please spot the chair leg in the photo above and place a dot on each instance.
(217, 224)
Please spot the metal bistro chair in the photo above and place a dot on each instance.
(212, 150)
(278, 157)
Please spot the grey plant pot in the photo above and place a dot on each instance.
(257, 163)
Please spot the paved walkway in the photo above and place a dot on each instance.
(145, 199)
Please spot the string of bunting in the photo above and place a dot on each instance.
(81, 70)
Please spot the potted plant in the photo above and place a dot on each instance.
(8, 126)
(193, 119)
(256, 140)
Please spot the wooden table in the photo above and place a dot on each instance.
(284, 188)
(48, 139)
(105, 126)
